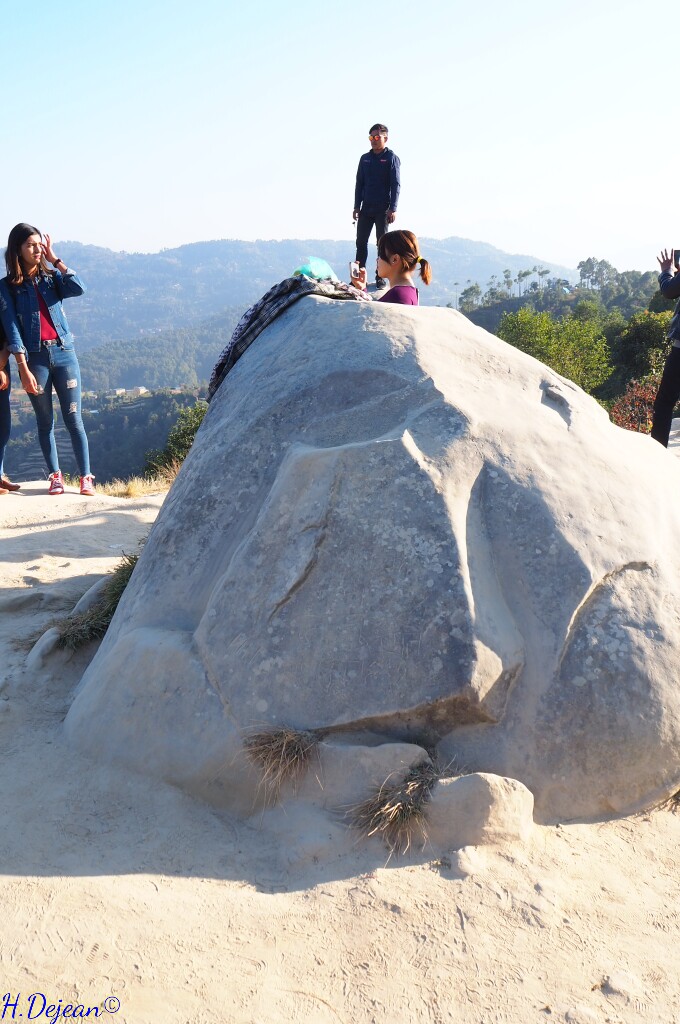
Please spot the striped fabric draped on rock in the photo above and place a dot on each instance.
(265, 310)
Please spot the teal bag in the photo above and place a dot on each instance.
(317, 269)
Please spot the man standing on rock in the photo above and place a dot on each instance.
(377, 192)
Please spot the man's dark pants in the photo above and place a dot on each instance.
(368, 218)
(666, 398)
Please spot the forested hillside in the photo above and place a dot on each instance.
(131, 295)
(173, 358)
(161, 320)
(608, 335)
(616, 293)
(121, 433)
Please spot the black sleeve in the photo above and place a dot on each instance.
(670, 286)
(359, 187)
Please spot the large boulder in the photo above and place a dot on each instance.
(394, 526)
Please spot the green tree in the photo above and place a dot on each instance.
(522, 276)
(587, 309)
(603, 273)
(630, 291)
(494, 293)
(180, 439)
(659, 303)
(531, 332)
(640, 348)
(583, 353)
(576, 349)
(470, 297)
(586, 269)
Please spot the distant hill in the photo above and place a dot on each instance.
(133, 295)
(161, 320)
(182, 357)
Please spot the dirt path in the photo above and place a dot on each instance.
(125, 895)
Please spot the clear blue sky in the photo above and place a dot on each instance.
(539, 127)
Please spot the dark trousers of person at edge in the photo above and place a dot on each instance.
(367, 219)
(666, 398)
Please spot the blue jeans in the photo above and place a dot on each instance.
(57, 367)
(5, 421)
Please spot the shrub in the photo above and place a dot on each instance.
(396, 811)
(78, 630)
(633, 411)
(281, 755)
(640, 348)
(180, 440)
(575, 348)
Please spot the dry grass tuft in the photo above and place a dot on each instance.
(78, 630)
(282, 756)
(671, 803)
(396, 812)
(135, 487)
(164, 472)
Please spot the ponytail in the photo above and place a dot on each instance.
(425, 270)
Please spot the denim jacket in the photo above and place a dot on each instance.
(20, 312)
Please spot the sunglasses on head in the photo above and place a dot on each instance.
(376, 138)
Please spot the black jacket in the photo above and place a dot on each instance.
(378, 181)
(670, 289)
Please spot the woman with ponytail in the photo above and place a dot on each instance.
(398, 259)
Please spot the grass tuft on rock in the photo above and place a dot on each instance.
(281, 756)
(78, 630)
(671, 803)
(135, 486)
(396, 811)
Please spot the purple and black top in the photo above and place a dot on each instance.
(404, 294)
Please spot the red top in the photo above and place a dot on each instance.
(47, 331)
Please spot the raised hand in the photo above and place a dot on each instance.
(47, 248)
(665, 260)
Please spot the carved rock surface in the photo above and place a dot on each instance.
(393, 525)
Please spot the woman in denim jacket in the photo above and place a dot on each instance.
(38, 335)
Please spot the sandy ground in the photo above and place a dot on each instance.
(129, 897)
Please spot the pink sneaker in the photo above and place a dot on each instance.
(56, 483)
(87, 484)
